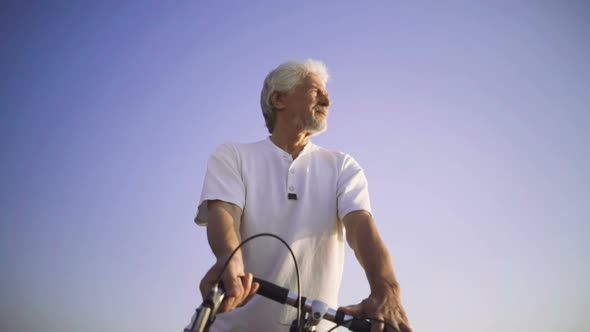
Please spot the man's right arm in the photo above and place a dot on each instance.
(223, 237)
(222, 229)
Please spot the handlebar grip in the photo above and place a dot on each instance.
(356, 325)
(272, 291)
(360, 325)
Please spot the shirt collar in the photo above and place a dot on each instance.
(306, 149)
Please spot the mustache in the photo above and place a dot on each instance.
(320, 109)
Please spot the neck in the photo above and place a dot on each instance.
(292, 143)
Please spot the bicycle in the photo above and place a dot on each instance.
(313, 310)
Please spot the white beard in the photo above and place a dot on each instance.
(315, 126)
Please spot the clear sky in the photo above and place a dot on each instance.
(470, 118)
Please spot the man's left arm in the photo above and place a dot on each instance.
(384, 302)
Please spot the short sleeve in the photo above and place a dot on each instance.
(353, 191)
(223, 181)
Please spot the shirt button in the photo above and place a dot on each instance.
(291, 188)
(292, 171)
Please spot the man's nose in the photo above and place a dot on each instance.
(325, 100)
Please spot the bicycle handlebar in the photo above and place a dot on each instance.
(317, 309)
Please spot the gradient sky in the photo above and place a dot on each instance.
(471, 120)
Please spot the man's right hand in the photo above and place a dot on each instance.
(238, 285)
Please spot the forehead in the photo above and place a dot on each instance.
(312, 81)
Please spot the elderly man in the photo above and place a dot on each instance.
(307, 195)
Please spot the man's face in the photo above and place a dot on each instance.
(306, 107)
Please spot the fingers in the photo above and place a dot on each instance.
(253, 291)
(241, 297)
(377, 326)
(246, 287)
(390, 326)
(403, 327)
(243, 289)
(238, 286)
(384, 318)
(401, 320)
(234, 291)
(250, 288)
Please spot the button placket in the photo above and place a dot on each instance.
(291, 179)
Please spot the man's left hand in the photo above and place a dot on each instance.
(385, 306)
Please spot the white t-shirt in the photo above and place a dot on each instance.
(259, 178)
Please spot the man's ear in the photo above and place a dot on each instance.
(277, 99)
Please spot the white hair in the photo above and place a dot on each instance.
(285, 78)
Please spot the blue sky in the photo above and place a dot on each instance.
(470, 119)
